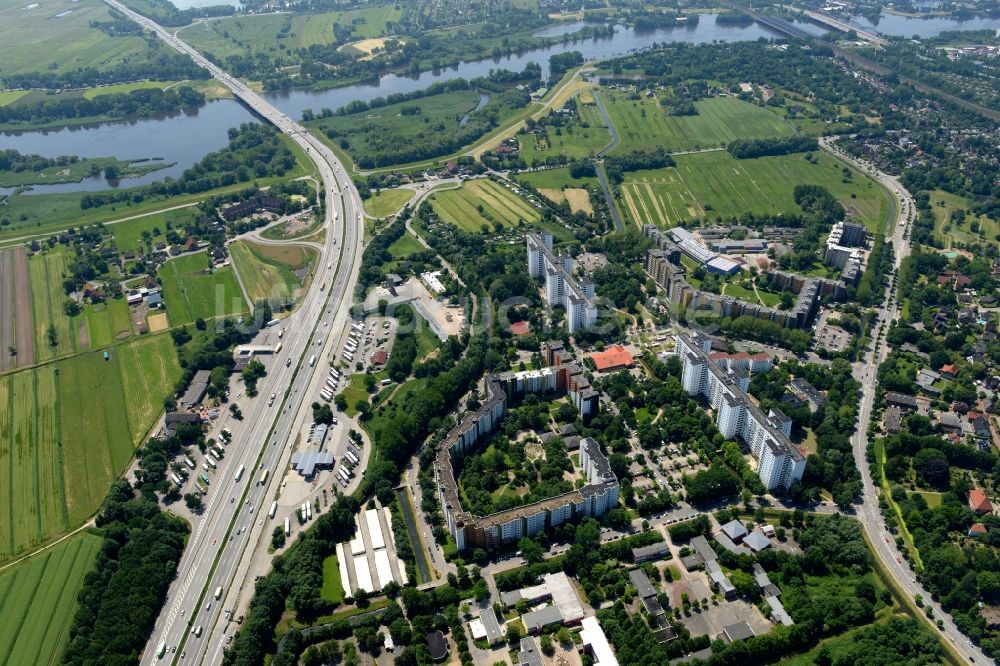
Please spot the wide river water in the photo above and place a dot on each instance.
(182, 139)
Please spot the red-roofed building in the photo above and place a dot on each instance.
(614, 357)
(519, 328)
(379, 358)
(947, 371)
(977, 529)
(979, 502)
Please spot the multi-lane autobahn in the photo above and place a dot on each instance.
(234, 518)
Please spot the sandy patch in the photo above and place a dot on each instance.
(368, 47)
(553, 195)
(158, 322)
(579, 199)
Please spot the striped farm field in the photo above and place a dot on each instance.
(193, 290)
(69, 428)
(39, 601)
(499, 206)
(46, 275)
(706, 185)
(106, 322)
(643, 124)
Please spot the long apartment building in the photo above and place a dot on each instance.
(663, 265)
(561, 288)
(779, 462)
(595, 498)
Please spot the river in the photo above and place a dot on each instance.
(905, 26)
(183, 139)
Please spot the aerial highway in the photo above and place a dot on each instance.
(867, 373)
(235, 515)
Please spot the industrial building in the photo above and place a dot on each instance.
(779, 462)
(561, 288)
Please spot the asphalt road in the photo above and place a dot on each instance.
(867, 373)
(232, 522)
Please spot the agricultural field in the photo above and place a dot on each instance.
(142, 233)
(16, 320)
(11, 96)
(193, 290)
(56, 36)
(47, 295)
(39, 601)
(556, 179)
(583, 137)
(714, 184)
(483, 203)
(229, 36)
(270, 271)
(387, 202)
(970, 230)
(643, 124)
(60, 448)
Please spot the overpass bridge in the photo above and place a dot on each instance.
(843, 26)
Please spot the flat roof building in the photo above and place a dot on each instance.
(596, 643)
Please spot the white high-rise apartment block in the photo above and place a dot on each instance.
(779, 462)
(561, 288)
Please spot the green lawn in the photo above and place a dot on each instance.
(67, 430)
(119, 88)
(643, 124)
(333, 589)
(748, 294)
(483, 202)
(56, 37)
(266, 270)
(191, 290)
(706, 185)
(144, 232)
(11, 96)
(555, 179)
(387, 202)
(39, 601)
(353, 392)
(406, 245)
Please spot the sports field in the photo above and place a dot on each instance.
(483, 202)
(192, 290)
(267, 33)
(38, 599)
(387, 202)
(56, 37)
(267, 270)
(67, 430)
(644, 124)
(707, 185)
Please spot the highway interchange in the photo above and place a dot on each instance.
(216, 556)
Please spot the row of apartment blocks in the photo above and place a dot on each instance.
(595, 498)
(663, 265)
(561, 288)
(843, 250)
(779, 462)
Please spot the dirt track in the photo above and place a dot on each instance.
(6, 308)
(24, 325)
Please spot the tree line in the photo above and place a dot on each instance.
(141, 103)
(748, 148)
(162, 65)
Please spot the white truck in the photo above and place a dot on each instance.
(218, 593)
(273, 510)
(312, 360)
(239, 472)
